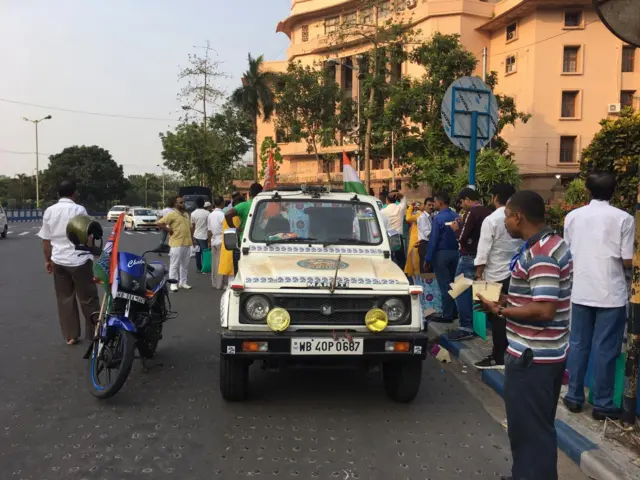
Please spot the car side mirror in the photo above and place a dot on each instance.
(395, 240)
(230, 237)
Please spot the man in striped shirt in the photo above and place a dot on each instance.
(537, 317)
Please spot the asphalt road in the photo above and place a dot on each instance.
(172, 423)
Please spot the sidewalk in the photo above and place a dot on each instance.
(579, 436)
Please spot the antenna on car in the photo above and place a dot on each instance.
(335, 275)
(355, 198)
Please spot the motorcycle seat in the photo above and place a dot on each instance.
(155, 274)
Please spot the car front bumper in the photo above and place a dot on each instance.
(279, 345)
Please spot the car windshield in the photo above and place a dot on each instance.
(118, 209)
(318, 221)
(143, 213)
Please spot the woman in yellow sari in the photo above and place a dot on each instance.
(412, 266)
(225, 267)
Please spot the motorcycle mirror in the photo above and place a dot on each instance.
(162, 248)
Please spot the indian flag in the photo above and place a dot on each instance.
(351, 181)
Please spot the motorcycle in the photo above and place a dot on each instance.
(134, 308)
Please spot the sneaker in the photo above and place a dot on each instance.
(185, 287)
(573, 407)
(460, 335)
(173, 287)
(489, 363)
(602, 415)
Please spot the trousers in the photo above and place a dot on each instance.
(75, 285)
(465, 299)
(179, 264)
(531, 392)
(444, 266)
(217, 281)
(203, 244)
(499, 329)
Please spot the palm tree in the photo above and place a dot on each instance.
(256, 99)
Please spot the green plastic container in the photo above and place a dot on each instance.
(206, 261)
(618, 386)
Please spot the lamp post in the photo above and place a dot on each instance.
(335, 61)
(36, 122)
(162, 168)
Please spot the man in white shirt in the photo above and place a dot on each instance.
(199, 231)
(496, 248)
(72, 273)
(214, 227)
(424, 231)
(395, 211)
(601, 241)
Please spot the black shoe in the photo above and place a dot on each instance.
(573, 407)
(602, 415)
(489, 363)
(460, 335)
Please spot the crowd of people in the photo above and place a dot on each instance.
(564, 294)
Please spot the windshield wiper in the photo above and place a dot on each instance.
(349, 241)
(291, 240)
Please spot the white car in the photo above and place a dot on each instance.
(316, 283)
(4, 223)
(138, 218)
(115, 212)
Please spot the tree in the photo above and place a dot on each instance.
(378, 28)
(269, 145)
(98, 177)
(307, 101)
(227, 141)
(615, 149)
(256, 99)
(200, 90)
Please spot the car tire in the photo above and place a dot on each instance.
(234, 378)
(5, 230)
(402, 379)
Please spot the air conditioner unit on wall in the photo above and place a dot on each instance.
(411, 3)
(613, 108)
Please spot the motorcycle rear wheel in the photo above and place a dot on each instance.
(123, 346)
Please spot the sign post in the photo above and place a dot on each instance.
(470, 117)
(622, 18)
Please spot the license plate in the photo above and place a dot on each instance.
(327, 346)
(133, 298)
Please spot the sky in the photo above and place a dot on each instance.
(116, 57)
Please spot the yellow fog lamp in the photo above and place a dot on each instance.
(278, 319)
(376, 320)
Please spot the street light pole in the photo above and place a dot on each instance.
(162, 168)
(36, 122)
(146, 189)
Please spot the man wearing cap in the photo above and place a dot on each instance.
(199, 230)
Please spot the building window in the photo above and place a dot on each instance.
(510, 64)
(305, 33)
(628, 59)
(567, 149)
(512, 32)
(346, 79)
(350, 19)
(377, 163)
(570, 59)
(573, 19)
(384, 10)
(570, 104)
(331, 24)
(626, 98)
(366, 16)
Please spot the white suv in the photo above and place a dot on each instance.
(316, 283)
(115, 212)
(4, 223)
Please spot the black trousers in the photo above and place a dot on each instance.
(499, 329)
(531, 392)
(422, 253)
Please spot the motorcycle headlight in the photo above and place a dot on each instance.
(257, 307)
(395, 309)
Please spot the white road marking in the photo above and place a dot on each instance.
(128, 233)
(35, 228)
(24, 233)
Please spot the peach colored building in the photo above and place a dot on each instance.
(555, 58)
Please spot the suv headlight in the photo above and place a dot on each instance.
(395, 309)
(257, 307)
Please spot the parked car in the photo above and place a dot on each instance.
(4, 223)
(139, 217)
(115, 212)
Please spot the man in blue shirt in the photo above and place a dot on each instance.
(442, 253)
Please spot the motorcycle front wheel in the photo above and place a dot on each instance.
(110, 363)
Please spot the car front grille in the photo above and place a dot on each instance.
(313, 309)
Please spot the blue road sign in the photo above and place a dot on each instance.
(470, 117)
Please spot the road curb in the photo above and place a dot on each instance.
(585, 453)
